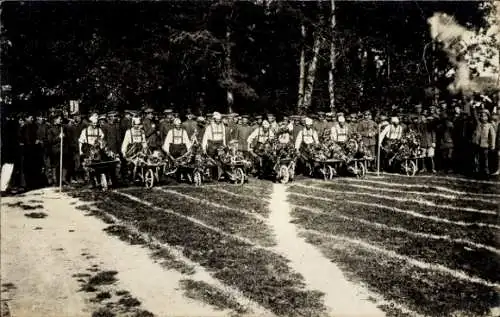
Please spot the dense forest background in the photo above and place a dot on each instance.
(178, 54)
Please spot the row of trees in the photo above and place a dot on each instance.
(224, 55)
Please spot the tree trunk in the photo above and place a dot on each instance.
(331, 72)
(228, 66)
(311, 73)
(302, 66)
(434, 74)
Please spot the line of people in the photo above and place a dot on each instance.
(452, 140)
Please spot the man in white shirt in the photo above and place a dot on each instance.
(257, 141)
(91, 136)
(214, 136)
(260, 136)
(389, 136)
(391, 133)
(339, 133)
(177, 141)
(134, 140)
(307, 136)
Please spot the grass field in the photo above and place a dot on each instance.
(422, 246)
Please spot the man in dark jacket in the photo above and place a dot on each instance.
(151, 130)
(112, 133)
(189, 125)
(33, 159)
(54, 135)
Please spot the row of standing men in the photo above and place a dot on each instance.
(35, 148)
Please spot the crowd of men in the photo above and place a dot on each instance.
(453, 141)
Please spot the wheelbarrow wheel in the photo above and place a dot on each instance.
(104, 182)
(361, 170)
(197, 178)
(412, 170)
(149, 178)
(324, 172)
(291, 170)
(284, 174)
(239, 176)
(331, 172)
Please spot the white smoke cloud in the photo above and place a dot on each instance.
(473, 54)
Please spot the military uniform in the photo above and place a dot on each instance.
(368, 130)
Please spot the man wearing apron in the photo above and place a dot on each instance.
(214, 136)
(340, 132)
(257, 141)
(91, 136)
(389, 136)
(134, 140)
(306, 139)
(177, 141)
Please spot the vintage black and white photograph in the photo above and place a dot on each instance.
(257, 158)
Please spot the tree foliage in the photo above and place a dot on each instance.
(159, 54)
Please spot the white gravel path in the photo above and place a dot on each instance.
(342, 297)
(40, 263)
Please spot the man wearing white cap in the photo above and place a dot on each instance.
(340, 131)
(91, 136)
(134, 140)
(214, 136)
(307, 135)
(177, 142)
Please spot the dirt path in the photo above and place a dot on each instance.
(41, 255)
(341, 297)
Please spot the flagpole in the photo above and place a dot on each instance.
(61, 160)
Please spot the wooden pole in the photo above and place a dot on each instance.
(61, 160)
(378, 150)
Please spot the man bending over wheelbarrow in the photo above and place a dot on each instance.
(214, 138)
(259, 147)
(133, 144)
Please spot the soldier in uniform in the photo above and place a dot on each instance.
(113, 137)
(177, 142)
(427, 141)
(125, 122)
(257, 122)
(190, 125)
(54, 135)
(483, 138)
(230, 128)
(199, 130)
(368, 130)
(166, 124)
(42, 128)
(151, 130)
(319, 124)
(272, 122)
(33, 159)
(297, 126)
(242, 133)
